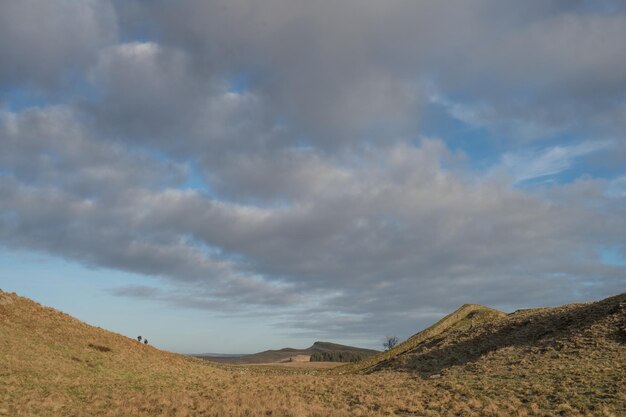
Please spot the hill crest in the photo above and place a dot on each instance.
(465, 316)
(475, 334)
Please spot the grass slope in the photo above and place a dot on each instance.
(49, 361)
(555, 334)
(465, 317)
(567, 361)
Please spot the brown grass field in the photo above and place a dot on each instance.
(302, 365)
(566, 361)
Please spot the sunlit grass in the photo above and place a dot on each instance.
(53, 365)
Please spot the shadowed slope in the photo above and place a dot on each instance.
(570, 332)
(467, 316)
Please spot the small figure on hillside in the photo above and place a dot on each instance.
(145, 341)
(139, 338)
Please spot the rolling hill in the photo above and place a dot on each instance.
(548, 362)
(466, 317)
(533, 337)
(322, 350)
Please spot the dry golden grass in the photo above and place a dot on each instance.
(54, 365)
(299, 364)
(463, 318)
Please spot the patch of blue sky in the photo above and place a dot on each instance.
(25, 270)
(195, 180)
(17, 98)
(206, 249)
(239, 83)
(78, 87)
(482, 148)
(192, 179)
(79, 290)
(611, 255)
(549, 155)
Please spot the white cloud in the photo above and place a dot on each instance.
(552, 161)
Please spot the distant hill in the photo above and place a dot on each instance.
(319, 351)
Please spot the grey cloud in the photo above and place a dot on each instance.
(398, 231)
(238, 297)
(419, 233)
(319, 201)
(289, 174)
(67, 192)
(147, 91)
(298, 63)
(340, 71)
(43, 41)
(141, 291)
(152, 96)
(568, 69)
(343, 73)
(52, 146)
(617, 188)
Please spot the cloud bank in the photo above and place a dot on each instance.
(272, 159)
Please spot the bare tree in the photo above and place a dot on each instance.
(390, 342)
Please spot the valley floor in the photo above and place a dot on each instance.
(199, 389)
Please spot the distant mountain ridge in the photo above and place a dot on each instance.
(327, 351)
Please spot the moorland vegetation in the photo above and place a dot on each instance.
(550, 362)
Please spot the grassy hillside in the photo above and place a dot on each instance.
(466, 317)
(535, 336)
(330, 351)
(574, 352)
(51, 361)
(568, 361)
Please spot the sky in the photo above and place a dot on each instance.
(234, 176)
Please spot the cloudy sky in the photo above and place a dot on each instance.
(237, 175)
